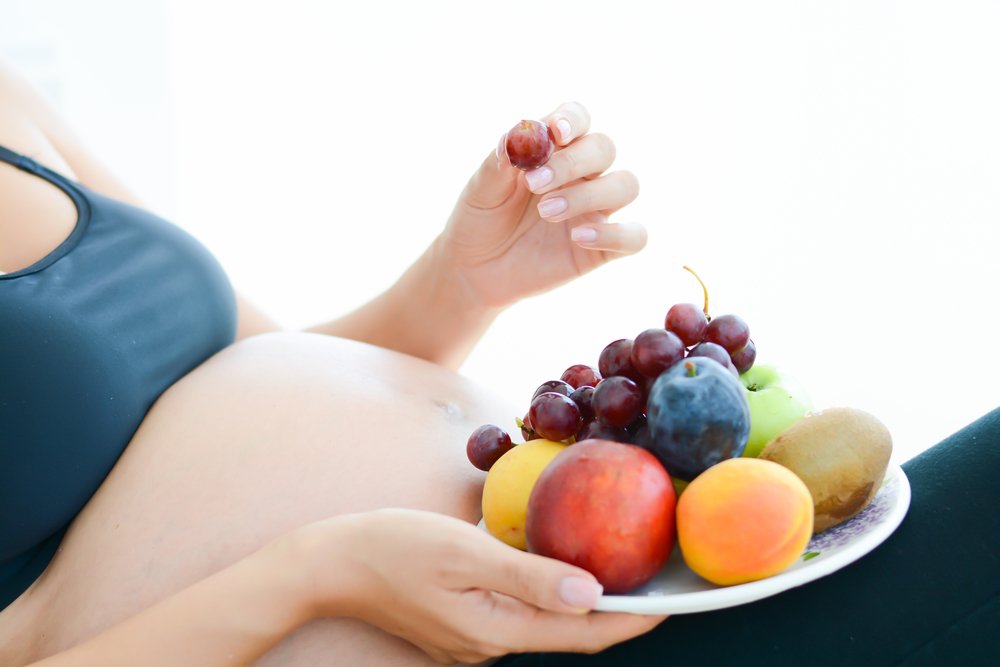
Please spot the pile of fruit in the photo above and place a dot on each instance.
(610, 402)
(681, 410)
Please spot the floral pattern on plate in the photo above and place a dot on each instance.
(876, 513)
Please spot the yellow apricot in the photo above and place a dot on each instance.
(508, 487)
(744, 519)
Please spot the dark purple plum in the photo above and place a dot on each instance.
(698, 415)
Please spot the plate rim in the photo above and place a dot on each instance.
(721, 598)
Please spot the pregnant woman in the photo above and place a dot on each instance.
(181, 483)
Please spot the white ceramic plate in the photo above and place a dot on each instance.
(678, 590)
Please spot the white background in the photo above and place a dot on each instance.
(832, 170)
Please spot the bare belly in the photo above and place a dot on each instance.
(272, 433)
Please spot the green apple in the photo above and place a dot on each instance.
(776, 402)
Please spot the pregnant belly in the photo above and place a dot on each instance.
(272, 433)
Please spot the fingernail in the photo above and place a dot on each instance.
(551, 207)
(564, 129)
(501, 149)
(537, 178)
(583, 234)
(580, 593)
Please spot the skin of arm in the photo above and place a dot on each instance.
(429, 313)
(230, 618)
(512, 235)
(438, 582)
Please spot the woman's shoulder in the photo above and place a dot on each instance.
(37, 130)
(23, 114)
(35, 216)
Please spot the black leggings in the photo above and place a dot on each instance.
(929, 595)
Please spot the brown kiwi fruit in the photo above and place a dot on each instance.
(841, 454)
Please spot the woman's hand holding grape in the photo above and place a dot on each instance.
(514, 234)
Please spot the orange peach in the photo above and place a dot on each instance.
(744, 519)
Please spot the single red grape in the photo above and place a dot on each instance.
(617, 401)
(558, 386)
(729, 331)
(554, 416)
(656, 350)
(581, 375)
(487, 444)
(616, 359)
(688, 322)
(584, 397)
(529, 144)
(598, 430)
(712, 351)
(743, 360)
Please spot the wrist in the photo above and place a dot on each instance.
(440, 311)
(315, 567)
(450, 277)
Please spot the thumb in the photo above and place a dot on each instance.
(543, 582)
(495, 181)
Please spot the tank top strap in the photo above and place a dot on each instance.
(72, 190)
(22, 162)
(25, 163)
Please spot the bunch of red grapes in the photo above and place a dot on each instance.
(609, 402)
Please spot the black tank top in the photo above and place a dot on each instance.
(90, 336)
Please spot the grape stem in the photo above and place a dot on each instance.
(704, 289)
(692, 370)
(520, 425)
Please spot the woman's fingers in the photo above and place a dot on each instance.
(594, 632)
(623, 238)
(496, 178)
(569, 121)
(516, 626)
(607, 193)
(591, 155)
(543, 582)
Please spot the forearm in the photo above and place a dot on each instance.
(429, 313)
(230, 618)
